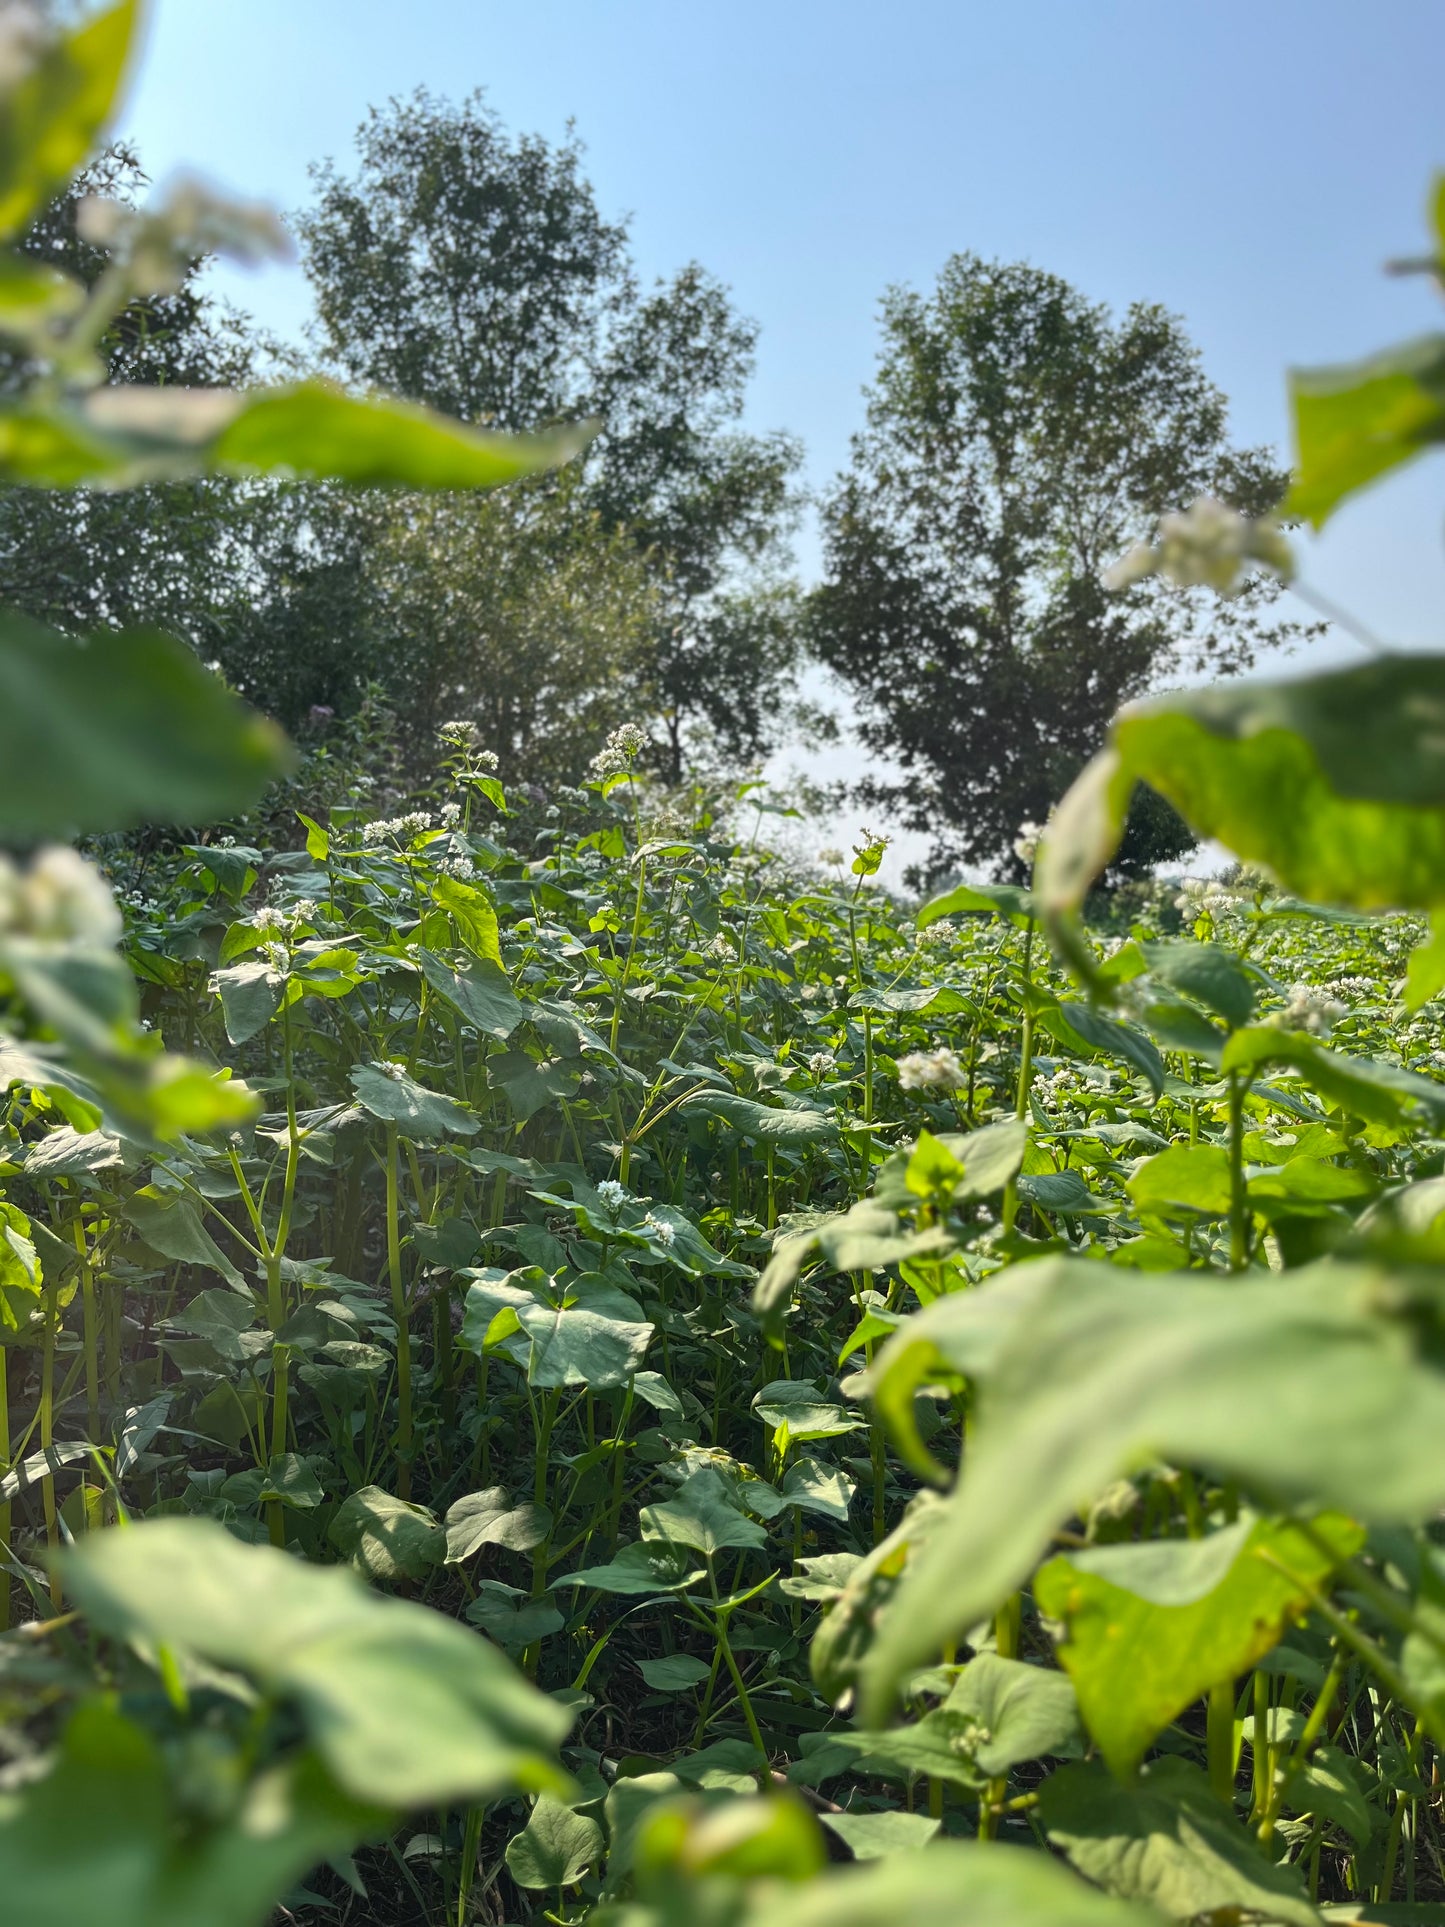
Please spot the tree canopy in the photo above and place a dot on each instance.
(1018, 438)
(472, 270)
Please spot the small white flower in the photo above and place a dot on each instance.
(267, 918)
(619, 752)
(61, 898)
(664, 1233)
(944, 931)
(821, 1062)
(451, 815)
(459, 735)
(460, 867)
(303, 910)
(277, 955)
(391, 1067)
(1026, 843)
(613, 1194)
(938, 1069)
(1205, 546)
(1309, 1009)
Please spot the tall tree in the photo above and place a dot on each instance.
(537, 622)
(473, 270)
(1018, 438)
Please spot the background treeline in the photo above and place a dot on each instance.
(1017, 437)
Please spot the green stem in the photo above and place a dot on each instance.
(1238, 1200)
(399, 1311)
(1219, 1740)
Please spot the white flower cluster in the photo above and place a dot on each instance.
(1309, 1009)
(1026, 843)
(942, 932)
(459, 735)
(1203, 897)
(60, 898)
(460, 867)
(831, 858)
(284, 922)
(613, 1194)
(664, 1233)
(159, 243)
(1357, 986)
(450, 816)
(386, 827)
(821, 1062)
(1205, 547)
(619, 752)
(277, 955)
(935, 1070)
(391, 1067)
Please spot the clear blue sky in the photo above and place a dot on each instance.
(1249, 165)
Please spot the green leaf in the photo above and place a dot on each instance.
(990, 1156)
(865, 1238)
(407, 1707)
(979, 899)
(1191, 1178)
(1356, 422)
(490, 1519)
(1149, 1629)
(1088, 1030)
(1215, 977)
(68, 1153)
(818, 1488)
(1356, 751)
(315, 428)
(481, 994)
(704, 1516)
(574, 1346)
(1425, 967)
(674, 1673)
(767, 1121)
(20, 1278)
(652, 1566)
(144, 1863)
(385, 1538)
(33, 295)
(1311, 1382)
(1169, 1842)
(53, 115)
(250, 996)
(475, 916)
(796, 1412)
(872, 1836)
(1008, 1712)
(398, 1099)
(954, 1883)
(1328, 1786)
(318, 840)
(555, 1848)
(1362, 1085)
(120, 730)
(172, 1226)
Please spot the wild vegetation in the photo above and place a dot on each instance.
(563, 1358)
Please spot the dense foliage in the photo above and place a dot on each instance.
(559, 1361)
